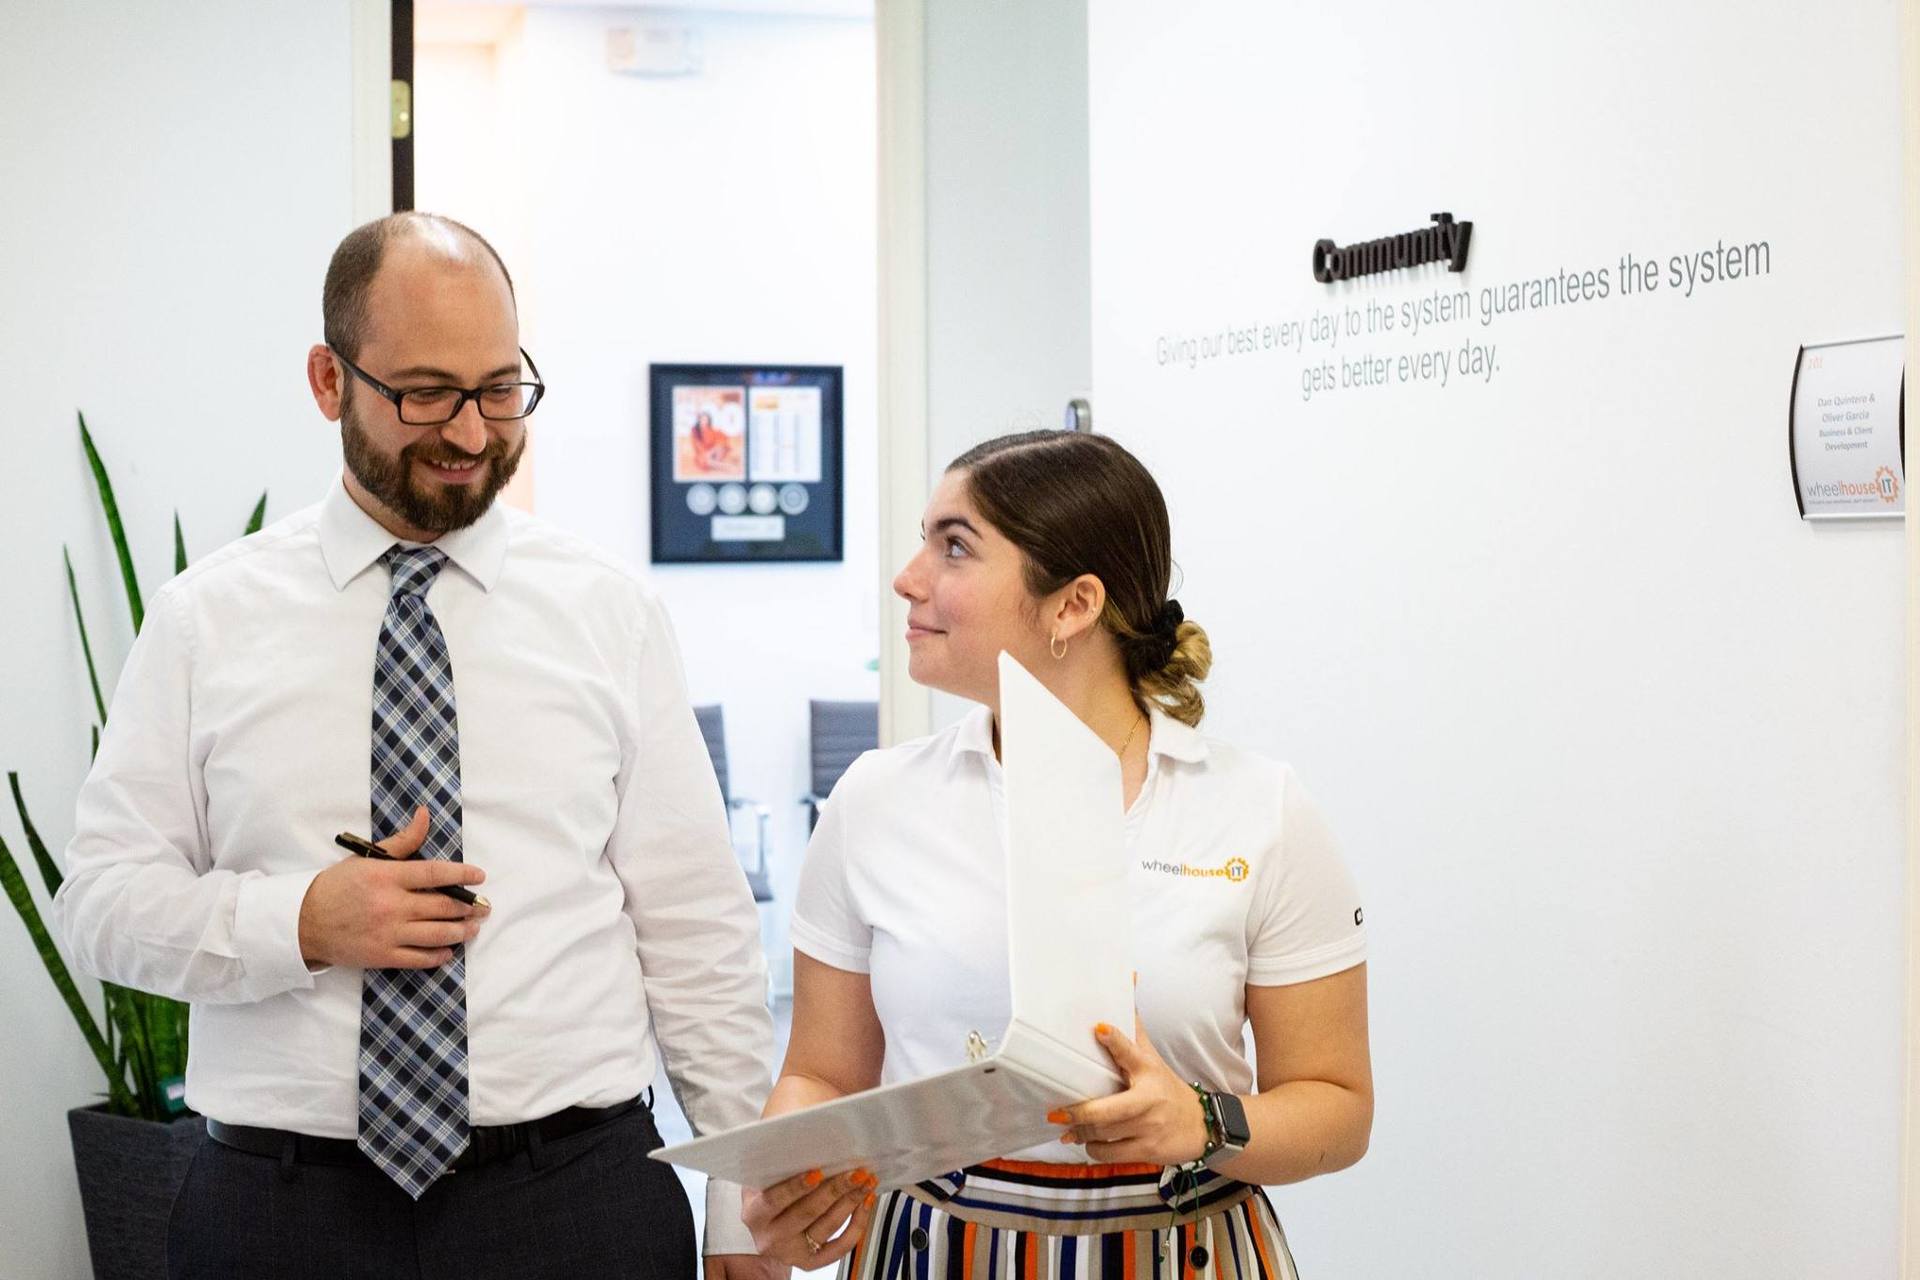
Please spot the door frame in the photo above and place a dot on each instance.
(371, 34)
(1910, 191)
(906, 709)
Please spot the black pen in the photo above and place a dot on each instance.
(368, 849)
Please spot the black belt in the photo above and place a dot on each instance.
(488, 1142)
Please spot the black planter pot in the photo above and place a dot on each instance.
(129, 1171)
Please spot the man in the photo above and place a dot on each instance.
(399, 1083)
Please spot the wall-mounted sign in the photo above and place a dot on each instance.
(1846, 430)
(1445, 241)
(746, 462)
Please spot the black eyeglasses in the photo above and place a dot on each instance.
(436, 406)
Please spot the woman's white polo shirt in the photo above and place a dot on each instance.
(1236, 880)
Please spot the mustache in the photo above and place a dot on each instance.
(494, 452)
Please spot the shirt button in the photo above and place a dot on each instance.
(1198, 1257)
(919, 1238)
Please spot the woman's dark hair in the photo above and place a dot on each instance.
(1076, 503)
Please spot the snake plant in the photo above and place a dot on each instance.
(141, 1042)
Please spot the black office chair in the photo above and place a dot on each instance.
(713, 729)
(837, 733)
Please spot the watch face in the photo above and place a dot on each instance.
(1233, 1119)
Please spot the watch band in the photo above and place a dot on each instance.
(1209, 1116)
(1234, 1134)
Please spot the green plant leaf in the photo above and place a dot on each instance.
(94, 750)
(86, 647)
(259, 516)
(179, 546)
(125, 1008)
(15, 885)
(167, 1044)
(49, 872)
(114, 527)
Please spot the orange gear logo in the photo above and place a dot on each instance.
(1236, 869)
(1888, 484)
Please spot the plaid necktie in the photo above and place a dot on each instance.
(413, 1022)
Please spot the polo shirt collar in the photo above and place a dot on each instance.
(1166, 736)
(1174, 740)
(974, 734)
(351, 540)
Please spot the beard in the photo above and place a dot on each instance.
(434, 507)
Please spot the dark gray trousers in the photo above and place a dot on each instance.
(585, 1206)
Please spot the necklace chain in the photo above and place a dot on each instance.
(1129, 742)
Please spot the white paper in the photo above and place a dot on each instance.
(783, 428)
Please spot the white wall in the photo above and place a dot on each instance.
(725, 217)
(1009, 312)
(1009, 334)
(176, 183)
(1613, 738)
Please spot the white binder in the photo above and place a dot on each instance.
(1067, 914)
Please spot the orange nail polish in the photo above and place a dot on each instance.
(1102, 1029)
(813, 1177)
(870, 1199)
(1059, 1116)
(865, 1178)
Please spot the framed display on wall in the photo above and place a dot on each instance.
(746, 462)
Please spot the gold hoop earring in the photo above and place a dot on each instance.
(1056, 646)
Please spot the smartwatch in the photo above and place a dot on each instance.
(1232, 1135)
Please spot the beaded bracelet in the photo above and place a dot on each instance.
(1216, 1128)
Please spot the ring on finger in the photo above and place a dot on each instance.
(813, 1246)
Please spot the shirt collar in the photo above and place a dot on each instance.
(351, 540)
(1165, 736)
(1174, 740)
(974, 734)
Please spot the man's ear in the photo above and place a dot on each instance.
(327, 380)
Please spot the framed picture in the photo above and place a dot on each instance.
(746, 462)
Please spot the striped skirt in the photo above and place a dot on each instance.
(1034, 1221)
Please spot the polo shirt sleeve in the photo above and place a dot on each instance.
(1307, 921)
(827, 923)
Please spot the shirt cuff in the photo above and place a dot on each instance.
(726, 1229)
(266, 932)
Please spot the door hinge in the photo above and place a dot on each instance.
(402, 110)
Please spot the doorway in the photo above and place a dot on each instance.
(684, 187)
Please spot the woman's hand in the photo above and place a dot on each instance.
(794, 1221)
(1157, 1120)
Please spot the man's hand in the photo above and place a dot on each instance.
(745, 1266)
(369, 914)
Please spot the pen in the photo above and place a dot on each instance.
(368, 849)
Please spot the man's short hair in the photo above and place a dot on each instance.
(343, 299)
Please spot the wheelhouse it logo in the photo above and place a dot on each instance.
(1887, 485)
(1233, 870)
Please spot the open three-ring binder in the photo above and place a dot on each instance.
(1067, 914)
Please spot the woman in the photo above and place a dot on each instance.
(1054, 546)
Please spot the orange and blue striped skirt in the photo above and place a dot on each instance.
(1019, 1220)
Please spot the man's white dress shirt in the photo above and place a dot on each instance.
(239, 743)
